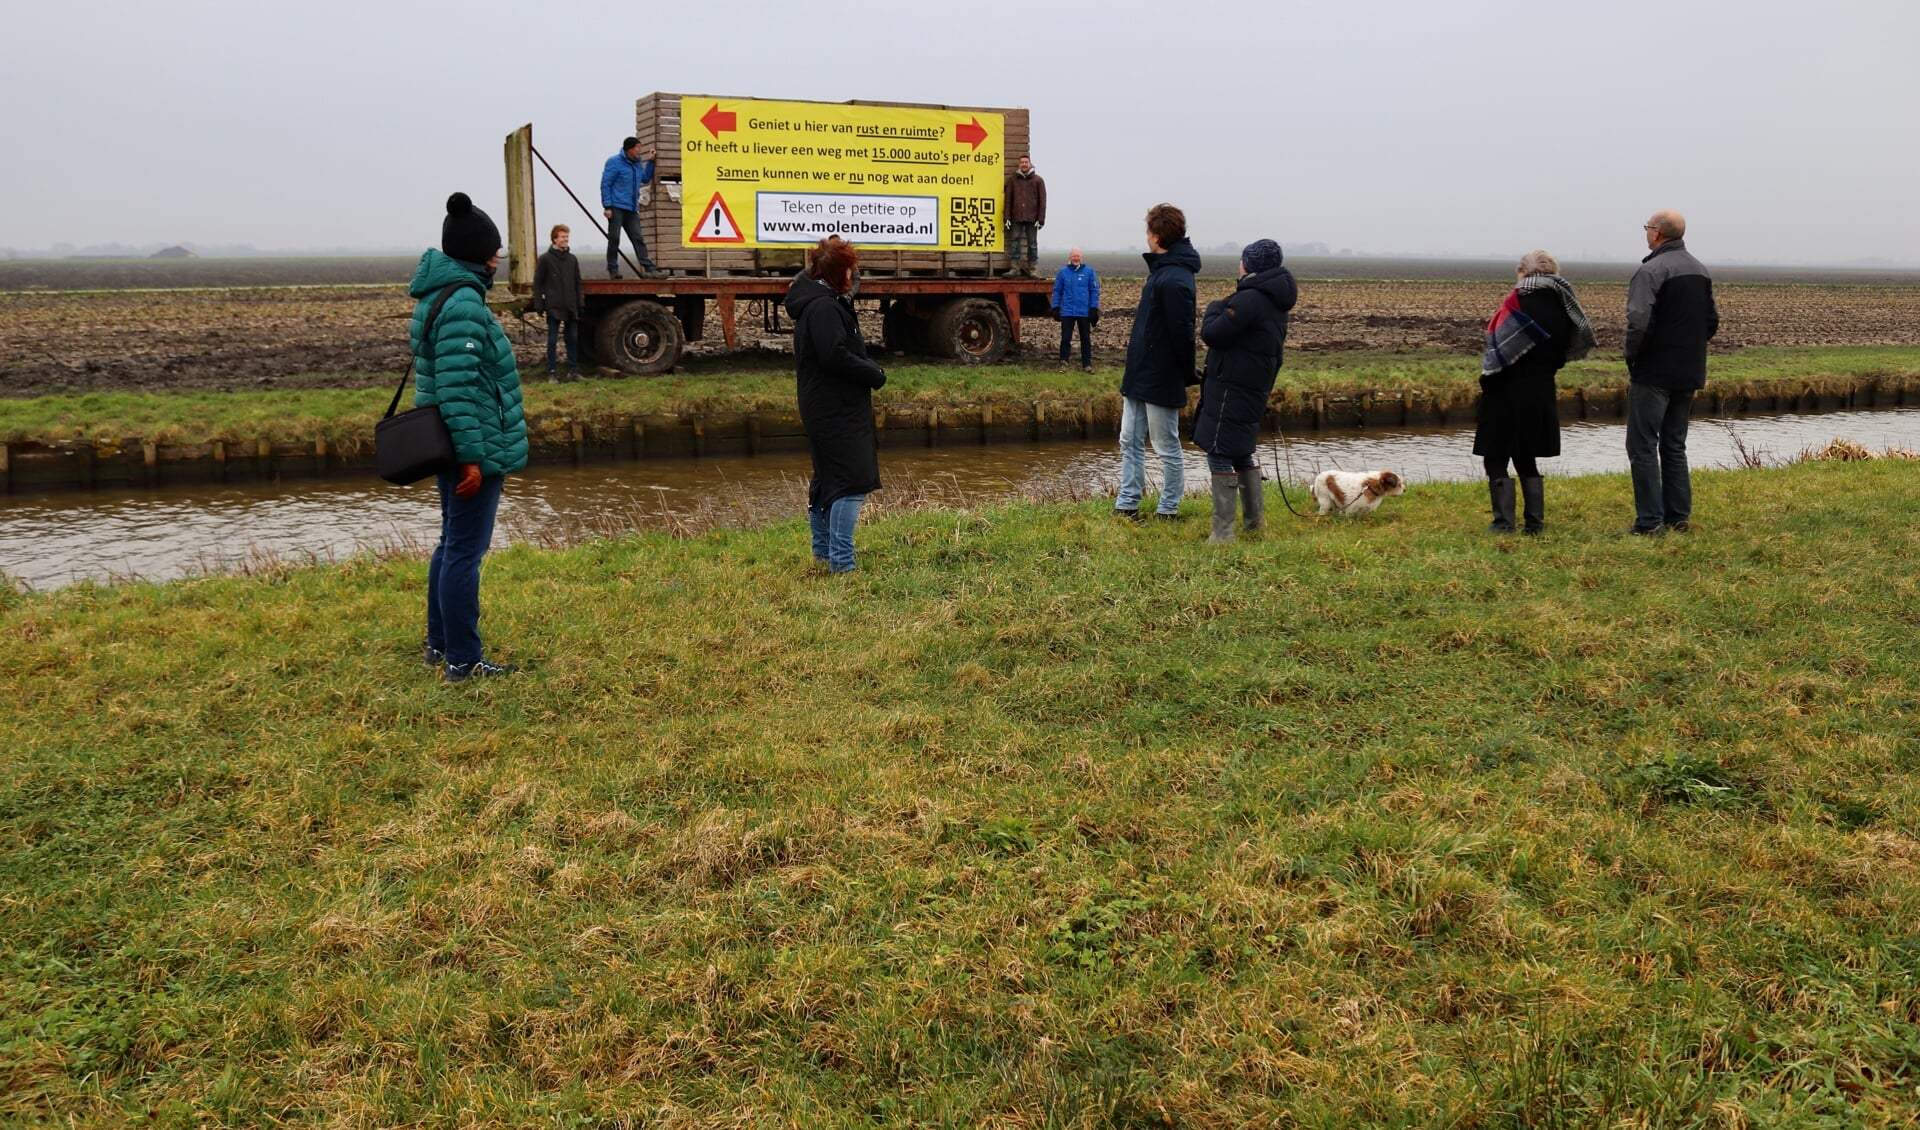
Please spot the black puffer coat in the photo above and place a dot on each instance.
(1519, 412)
(836, 383)
(1160, 351)
(1245, 335)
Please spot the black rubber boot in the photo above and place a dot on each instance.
(1226, 493)
(1533, 493)
(1501, 491)
(1253, 498)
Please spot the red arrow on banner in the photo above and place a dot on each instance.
(970, 132)
(719, 122)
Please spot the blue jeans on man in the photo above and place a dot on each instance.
(832, 527)
(1657, 456)
(1086, 340)
(1140, 421)
(453, 572)
(554, 322)
(621, 220)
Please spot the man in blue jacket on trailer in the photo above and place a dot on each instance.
(1076, 300)
(620, 184)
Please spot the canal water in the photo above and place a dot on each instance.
(51, 539)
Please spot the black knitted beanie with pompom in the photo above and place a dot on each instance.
(469, 234)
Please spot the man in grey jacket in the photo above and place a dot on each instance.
(1670, 317)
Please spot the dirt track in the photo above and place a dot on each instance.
(355, 337)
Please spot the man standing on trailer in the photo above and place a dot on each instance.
(620, 182)
(1026, 215)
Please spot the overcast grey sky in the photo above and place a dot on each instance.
(1785, 131)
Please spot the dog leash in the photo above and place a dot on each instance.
(1279, 478)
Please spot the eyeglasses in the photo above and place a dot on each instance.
(1649, 227)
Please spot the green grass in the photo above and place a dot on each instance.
(345, 417)
(1040, 819)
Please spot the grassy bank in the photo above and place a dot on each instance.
(345, 417)
(1039, 819)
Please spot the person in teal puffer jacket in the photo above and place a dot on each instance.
(466, 368)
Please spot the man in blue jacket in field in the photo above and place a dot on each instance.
(620, 183)
(1076, 299)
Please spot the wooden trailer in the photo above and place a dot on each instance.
(957, 305)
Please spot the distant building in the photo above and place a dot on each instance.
(173, 253)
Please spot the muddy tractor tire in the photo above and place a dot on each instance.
(973, 331)
(903, 329)
(639, 337)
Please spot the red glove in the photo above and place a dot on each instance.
(469, 484)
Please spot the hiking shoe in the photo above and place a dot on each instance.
(1087, 368)
(1637, 532)
(1129, 515)
(478, 669)
(1174, 517)
(1681, 527)
(432, 656)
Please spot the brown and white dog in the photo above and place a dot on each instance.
(1350, 492)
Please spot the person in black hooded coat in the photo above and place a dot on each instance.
(1245, 336)
(836, 380)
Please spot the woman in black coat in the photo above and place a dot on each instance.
(1538, 329)
(836, 383)
(1245, 335)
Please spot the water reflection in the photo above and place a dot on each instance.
(53, 539)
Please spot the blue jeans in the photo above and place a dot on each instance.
(832, 528)
(1657, 455)
(1022, 241)
(1228, 464)
(554, 322)
(453, 573)
(1086, 339)
(1138, 421)
(630, 221)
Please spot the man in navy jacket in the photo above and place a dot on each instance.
(1159, 366)
(620, 183)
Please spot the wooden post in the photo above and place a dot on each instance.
(6, 470)
(639, 438)
(320, 458)
(986, 421)
(699, 436)
(579, 434)
(726, 317)
(523, 244)
(933, 424)
(150, 459)
(262, 458)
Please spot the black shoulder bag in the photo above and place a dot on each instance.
(415, 444)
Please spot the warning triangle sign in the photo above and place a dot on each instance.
(716, 225)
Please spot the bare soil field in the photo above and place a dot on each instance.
(1226, 264)
(356, 336)
(135, 274)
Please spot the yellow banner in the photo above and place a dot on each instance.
(788, 174)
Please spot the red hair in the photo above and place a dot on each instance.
(832, 261)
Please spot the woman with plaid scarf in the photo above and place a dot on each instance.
(1539, 328)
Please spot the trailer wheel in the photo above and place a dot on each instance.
(973, 331)
(639, 337)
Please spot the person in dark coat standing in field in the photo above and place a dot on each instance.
(557, 294)
(621, 179)
(1670, 318)
(1153, 389)
(464, 366)
(836, 382)
(1246, 334)
(1026, 200)
(1539, 328)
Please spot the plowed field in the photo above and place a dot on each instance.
(245, 338)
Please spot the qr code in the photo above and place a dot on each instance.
(973, 221)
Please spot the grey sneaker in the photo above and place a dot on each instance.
(432, 656)
(478, 669)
